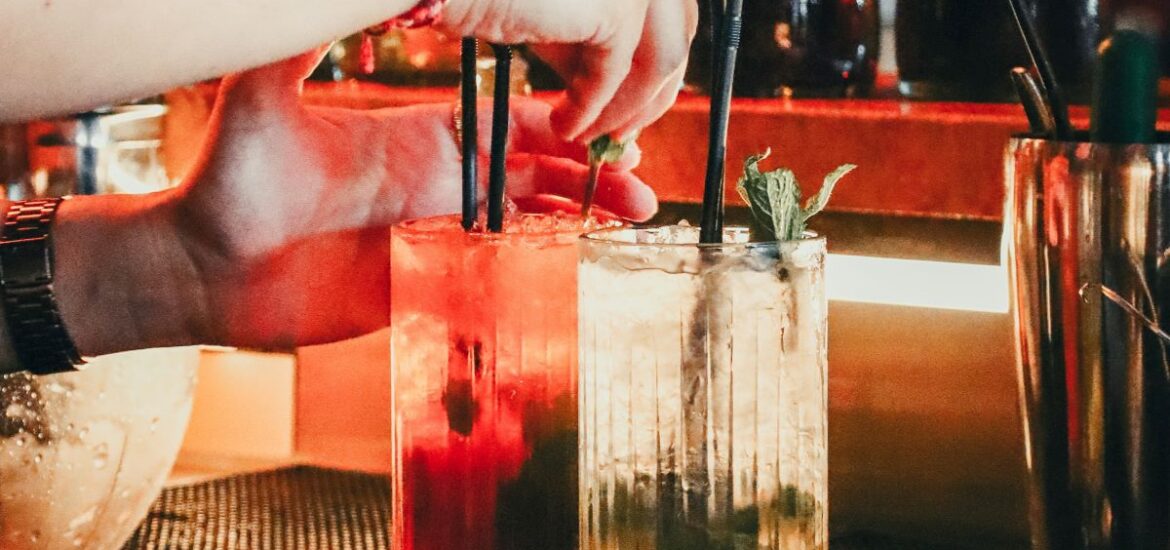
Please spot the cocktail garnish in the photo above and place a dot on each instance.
(606, 149)
(602, 150)
(774, 197)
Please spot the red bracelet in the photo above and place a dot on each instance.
(424, 13)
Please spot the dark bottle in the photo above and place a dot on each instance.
(964, 50)
(800, 48)
(1158, 14)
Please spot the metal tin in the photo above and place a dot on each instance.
(1088, 238)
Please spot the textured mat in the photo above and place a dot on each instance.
(305, 508)
(293, 508)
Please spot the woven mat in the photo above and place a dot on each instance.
(292, 508)
(306, 508)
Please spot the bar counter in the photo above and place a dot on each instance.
(925, 442)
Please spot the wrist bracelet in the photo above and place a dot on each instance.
(26, 283)
(424, 13)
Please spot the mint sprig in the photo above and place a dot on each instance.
(602, 150)
(774, 197)
(605, 150)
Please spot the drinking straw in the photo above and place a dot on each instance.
(1039, 117)
(469, 124)
(496, 171)
(1056, 103)
(715, 9)
(591, 185)
(711, 222)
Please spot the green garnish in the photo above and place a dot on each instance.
(774, 197)
(605, 150)
(602, 150)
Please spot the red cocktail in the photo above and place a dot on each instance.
(484, 384)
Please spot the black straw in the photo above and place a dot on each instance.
(711, 223)
(1040, 121)
(469, 123)
(497, 173)
(715, 9)
(1056, 102)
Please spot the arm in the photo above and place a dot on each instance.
(286, 243)
(72, 55)
(120, 278)
(623, 59)
(123, 279)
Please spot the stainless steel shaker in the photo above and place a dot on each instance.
(1088, 243)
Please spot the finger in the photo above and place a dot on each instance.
(659, 62)
(274, 84)
(618, 191)
(631, 157)
(563, 58)
(657, 107)
(535, 135)
(531, 132)
(602, 70)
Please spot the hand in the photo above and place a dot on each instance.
(624, 68)
(286, 218)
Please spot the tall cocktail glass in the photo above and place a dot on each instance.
(484, 384)
(703, 391)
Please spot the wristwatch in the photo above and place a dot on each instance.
(38, 334)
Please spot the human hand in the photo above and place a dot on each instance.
(286, 216)
(623, 59)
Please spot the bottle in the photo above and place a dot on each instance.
(13, 157)
(402, 57)
(796, 48)
(1157, 12)
(964, 50)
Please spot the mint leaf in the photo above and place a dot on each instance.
(774, 198)
(818, 203)
(753, 189)
(605, 150)
(784, 198)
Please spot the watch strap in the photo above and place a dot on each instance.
(38, 333)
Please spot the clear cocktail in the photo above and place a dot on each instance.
(703, 392)
(484, 384)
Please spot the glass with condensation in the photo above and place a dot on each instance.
(484, 384)
(703, 405)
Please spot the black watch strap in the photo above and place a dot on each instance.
(26, 283)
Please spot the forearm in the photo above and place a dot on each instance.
(72, 55)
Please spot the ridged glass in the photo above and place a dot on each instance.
(703, 396)
(484, 385)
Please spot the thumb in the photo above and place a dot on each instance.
(276, 85)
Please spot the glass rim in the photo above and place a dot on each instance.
(597, 237)
(409, 228)
(1081, 137)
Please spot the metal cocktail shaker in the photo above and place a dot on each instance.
(1088, 239)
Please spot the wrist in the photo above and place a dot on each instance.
(122, 277)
